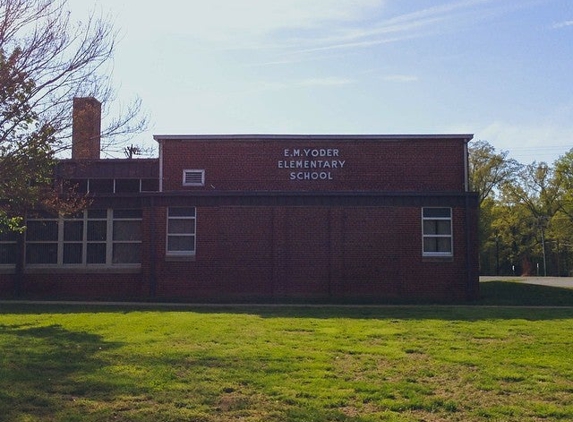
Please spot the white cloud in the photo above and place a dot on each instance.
(294, 24)
(246, 20)
(381, 28)
(400, 78)
(330, 81)
(562, 24)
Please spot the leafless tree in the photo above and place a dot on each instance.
(63, 59)
(46, 60)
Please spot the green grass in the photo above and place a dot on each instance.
(291, 363)
(516, 293)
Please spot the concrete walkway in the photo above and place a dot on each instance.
(565, 282)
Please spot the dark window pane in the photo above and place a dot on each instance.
(101, 185)
(42, 230)
(182, 212)
(444, 244)
(97, 213)
(438, 244)
(127, 230)
(8, 235)
(443, 227)
(430, 244)
(73, 230)
(96, 253)
(181, 226)
(7, 253)
(437, 227)
(72, 253)
(437, 213)
(181, 243)
(127, 213)
(126, 185)
(429, 227)
(97, 230)
(42, 253)
(126, 253)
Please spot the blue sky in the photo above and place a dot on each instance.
(500, 69)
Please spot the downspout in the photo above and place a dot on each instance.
(19, 269)
(468, 232)
(466, 166)
(152, 251)
(160, 165)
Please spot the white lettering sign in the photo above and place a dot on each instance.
(305, 160)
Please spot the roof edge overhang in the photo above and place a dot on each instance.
(317, 137)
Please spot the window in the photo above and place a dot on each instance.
(127, 185)
(92, 237)
(126, 237)
(149, 185)
(8, 247)
(99, 186)
(193, 177)
(437, 232)
(181, 231)
(42, 240)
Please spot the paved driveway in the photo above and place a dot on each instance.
(566, 282)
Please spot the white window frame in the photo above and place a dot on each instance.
(110, 250)
(193, 234)
(195, 172)
(59, 245)
(85, 218)
(450, 235)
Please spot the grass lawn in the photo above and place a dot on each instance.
(290, 363)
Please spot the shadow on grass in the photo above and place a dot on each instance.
(498, 299)
(509, 293)
(45, 372)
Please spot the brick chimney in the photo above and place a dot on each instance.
(86, 129)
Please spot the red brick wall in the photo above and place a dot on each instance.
(307, 253)
(419, 165)
(75, 286)
(330, 253)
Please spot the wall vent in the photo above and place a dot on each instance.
(193, 177)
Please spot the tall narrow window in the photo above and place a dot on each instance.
(126, 236)
(73, 239)
(8, 247)
(181, 231)
(42, 240)
(97, 237)
(437, 232)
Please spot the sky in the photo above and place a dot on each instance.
(499, 69)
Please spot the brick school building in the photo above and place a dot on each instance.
(260, 218)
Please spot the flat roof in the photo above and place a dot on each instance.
(318, 137)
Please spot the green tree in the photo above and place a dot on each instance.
(45, 61)
(564, 179)
(489, 169)
(562, 227)
(537, 191)
(515, 238)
